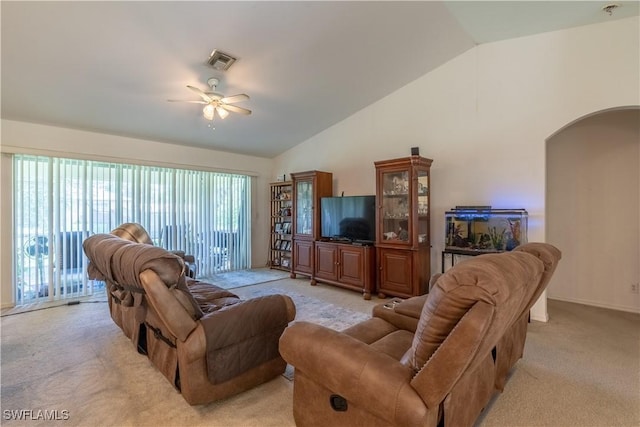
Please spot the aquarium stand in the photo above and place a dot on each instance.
(464, 252)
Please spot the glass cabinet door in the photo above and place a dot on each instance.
(423, 207)
(304, 207)
(396, 203)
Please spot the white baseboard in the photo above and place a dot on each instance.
(540, 317)
(7, 305)
(599, 304)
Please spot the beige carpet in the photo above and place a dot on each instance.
(580, 369)
(238, 279)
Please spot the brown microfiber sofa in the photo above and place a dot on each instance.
(441, 368)
(206, 341)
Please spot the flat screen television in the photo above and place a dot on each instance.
(349, 218)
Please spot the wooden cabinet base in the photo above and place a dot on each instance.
(302, 258)
(345, 265)
(403, 273)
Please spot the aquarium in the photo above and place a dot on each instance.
(482, 229)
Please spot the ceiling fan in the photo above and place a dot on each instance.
(215, 102)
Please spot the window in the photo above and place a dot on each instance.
(59, 202)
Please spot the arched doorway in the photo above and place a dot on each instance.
(593, 209)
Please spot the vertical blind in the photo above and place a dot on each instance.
(59, 202)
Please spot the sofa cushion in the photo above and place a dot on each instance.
(495, 279)
(370, 330)
(210, 297)
(394, 344)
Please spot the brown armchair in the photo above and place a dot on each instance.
(383, 372)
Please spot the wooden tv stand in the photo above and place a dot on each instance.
(346, 265)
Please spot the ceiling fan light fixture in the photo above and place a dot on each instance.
(208, 111)
(214, 101)
(222, 112)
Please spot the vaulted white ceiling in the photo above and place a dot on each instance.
(111, 66)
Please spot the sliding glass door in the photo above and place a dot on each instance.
(59, 202)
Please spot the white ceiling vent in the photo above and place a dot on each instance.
(610, 8)
(220, 61)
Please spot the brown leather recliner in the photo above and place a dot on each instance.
(385, 373)
(206, 341)
(510, 348)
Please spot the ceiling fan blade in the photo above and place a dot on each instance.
(235, 109)
(235, 98)
(203, 95)
(184, 100)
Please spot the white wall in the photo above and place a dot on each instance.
(483, 118)
(593, 207)
(55, 141)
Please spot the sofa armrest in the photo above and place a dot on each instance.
(168, 308)
(403, 314)
(242, 336)
(362, 375)
(238, 322)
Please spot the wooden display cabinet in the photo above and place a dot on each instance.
(345, 265)
(403, 237)
(308, 188)
(280, 244)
